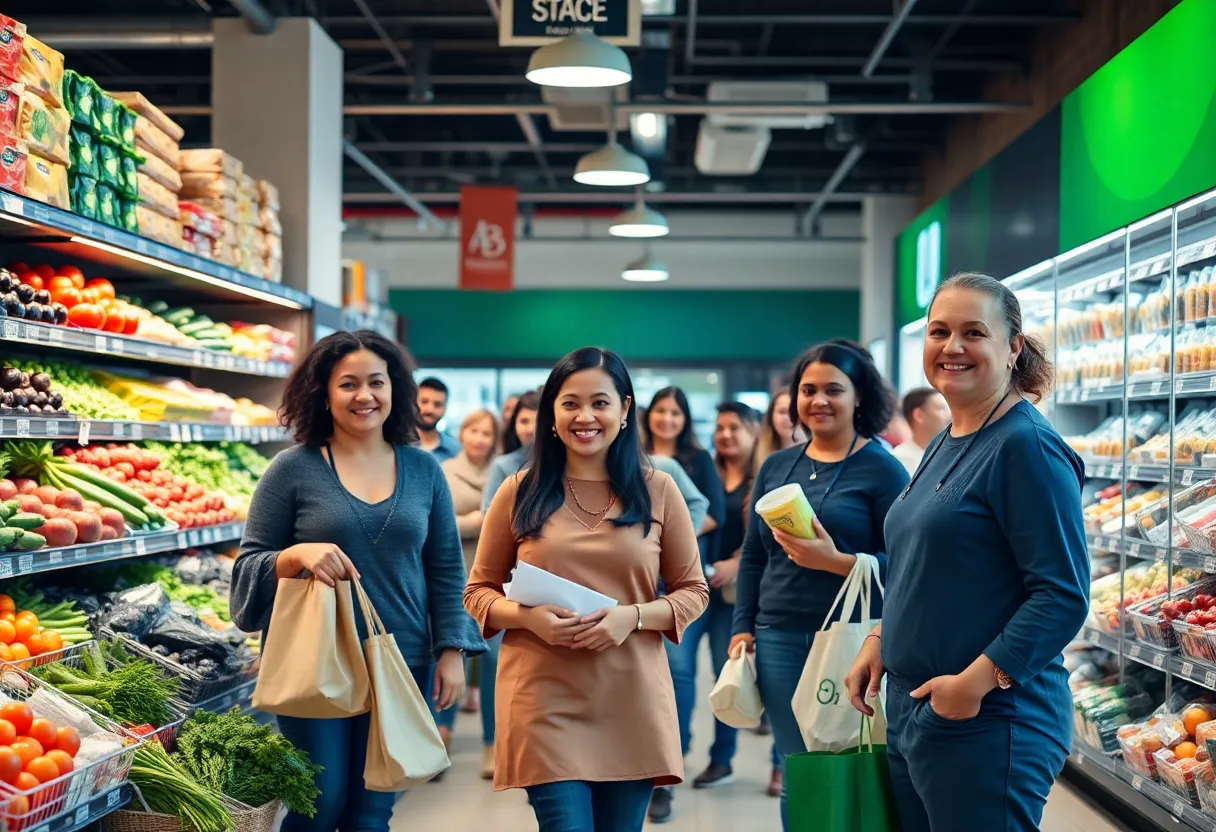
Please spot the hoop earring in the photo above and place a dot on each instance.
(624, 424)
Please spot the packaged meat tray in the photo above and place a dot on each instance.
(211, 160)
(139, 105)
(42, 70)
(151, 139)
(158, 197)
(13, 158)
(1196, 504)
(202, 185)
(43, 128)
(12, 43)
(47, 181)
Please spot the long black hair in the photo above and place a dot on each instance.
(510, 437)
(687, 446)
(543, 490)
(875, 401)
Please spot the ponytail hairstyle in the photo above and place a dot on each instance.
(1032, 373)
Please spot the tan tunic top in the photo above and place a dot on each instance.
(466, 482)
(567, 714)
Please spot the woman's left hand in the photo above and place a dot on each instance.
(951, 697)
(449, 679)
(820, 553)
(613, 625)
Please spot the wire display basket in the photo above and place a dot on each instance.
(196, 687)
(97, 771)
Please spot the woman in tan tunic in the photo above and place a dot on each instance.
(587, 715)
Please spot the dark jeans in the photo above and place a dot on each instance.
(340, 747)
(486, 676)
(780, 657)
(580, 806)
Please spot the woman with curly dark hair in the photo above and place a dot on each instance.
(355, 497)
(786, 585)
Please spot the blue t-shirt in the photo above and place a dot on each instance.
(774, 591)
(993, 563)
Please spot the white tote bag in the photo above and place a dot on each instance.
(821, 702)
(735, 699)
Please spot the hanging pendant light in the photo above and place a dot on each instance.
(647, 269)
(639, 221)
(612, 166)
(579, 60)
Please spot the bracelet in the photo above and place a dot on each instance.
(873, 635)
(639, 609)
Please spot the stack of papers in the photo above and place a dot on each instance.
(535, 587)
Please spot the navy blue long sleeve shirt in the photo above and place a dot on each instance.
(774, 591)
(704, 475)
(993, 563)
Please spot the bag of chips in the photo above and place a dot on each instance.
(12, 42)
(13, 158)
(107, 205)
(84, 196)
(42, 71)
(83, 160)
(43, 128)
(108, 120)
(47, 181)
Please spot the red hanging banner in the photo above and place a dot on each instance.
(487, 237)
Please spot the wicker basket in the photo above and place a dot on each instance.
(245, 818)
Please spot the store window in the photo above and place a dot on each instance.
(469, 389)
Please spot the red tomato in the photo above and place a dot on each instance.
(131, 324)
(104, 287)
(19, 714)
(8, 735)
(44, 271)
(10, 764)
(44, 768)
(32, 279)
(17, 267)
(68, 740)
(87, 316)
(115, 320)
(60, 281)
(61, 759)
(91, 295)
(69, 296)
(45, 731)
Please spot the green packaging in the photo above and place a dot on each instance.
(110, 130)
(82, 152)
(109, 165)
(84, 196)
(107, 205)
(128, 178)
(129, 217)
(126, 132)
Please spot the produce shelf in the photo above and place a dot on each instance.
(117, 346)
(35, 222)
(1144, 550)
(1150, 798)
(44, 560)
(1200, 673)
(90, 812)
(1183, 474)
(86, 430)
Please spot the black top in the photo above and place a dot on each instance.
(776, 592)
(732, 528)
(704, 475)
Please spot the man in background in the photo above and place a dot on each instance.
(927, 415)
(432, 405)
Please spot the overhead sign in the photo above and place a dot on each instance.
(487, 237)
(538, 22)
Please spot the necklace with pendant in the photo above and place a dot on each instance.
(848, 453)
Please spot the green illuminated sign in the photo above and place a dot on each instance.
(921, 251)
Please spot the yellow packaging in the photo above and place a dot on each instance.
(43, 128)
(47, 181)
(42, 70)
(786, 508)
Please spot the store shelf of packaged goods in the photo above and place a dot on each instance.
(1191, 384)
(1145, 550)
(72, 339)
(14, 564)
(92, 430)
(1183, 474)
(1151, 799)
(23, 219)
(1183, 667)
(1155, 266)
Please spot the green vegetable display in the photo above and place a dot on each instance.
(207, 466)
(169, 789)
(233, 754)
(134, 693)
(82, 394)
(245, 458)
(64, 617)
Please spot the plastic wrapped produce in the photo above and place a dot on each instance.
(12, 43)
(84, 196)
(79, 95)
(128, 180)
(83, 155)
(107, 205)
(109, 165)
(108, 119)
(128, 215)
(43, 128)
(47, 181)
(42, 70)
(136, 611)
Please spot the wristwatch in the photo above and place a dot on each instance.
(1003, 679)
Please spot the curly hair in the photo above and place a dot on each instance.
(305, 409)
(876, 402)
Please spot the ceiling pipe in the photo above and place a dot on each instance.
(395, 189)
(623, 198)
(838, 176)
(389, 44)
(744, 20)
(257, 16)
(888, 36)
(128, 40)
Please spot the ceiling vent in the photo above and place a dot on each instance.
(584, 110)
(730, 151)
(786, 92)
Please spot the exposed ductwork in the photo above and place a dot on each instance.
(620, 197)
(396, 191)
(259, 18)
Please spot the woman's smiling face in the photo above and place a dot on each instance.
(588, 412)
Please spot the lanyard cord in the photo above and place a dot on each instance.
(835, 474)
(924, 465)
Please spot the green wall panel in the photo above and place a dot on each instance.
(1140, 133)
(663, 325)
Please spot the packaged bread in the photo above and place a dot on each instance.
(156, 226)
(47, 181)
(249, 188)
(43, 128)
(42, 70)
(159, 170)
(268, 221)
(10, 106)
(273, 246)
(268, 195)
(12, 43)
(211, 160)
(227, 231)
(157, 197)
(139, 105)
(151, 139)
(13, 158)
(272, 270)
(208, 185)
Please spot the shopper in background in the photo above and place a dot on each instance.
(787, 584)
(777, 429)
(354, 497)
(928, 415)
(432, 407)
(988, 582)
(698, 503)
(897, 432)
(588, 729)
(669, 433)
(508, 411)
(466, 475)
(517, 439)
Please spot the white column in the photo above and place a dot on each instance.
(882, 219)
(277, 106)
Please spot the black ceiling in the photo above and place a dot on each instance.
(945, 51)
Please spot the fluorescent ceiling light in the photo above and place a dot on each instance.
(579, 60)
(612, 165)
(646, 270)
(639, 221)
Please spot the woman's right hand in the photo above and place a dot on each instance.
(324, 561)
(865, 676)
(554, 625)
(746, 639)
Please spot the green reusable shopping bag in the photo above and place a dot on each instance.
(846, 791)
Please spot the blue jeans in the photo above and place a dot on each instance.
(486, 673)
(340, 747)
(780, 657)
(580, 806)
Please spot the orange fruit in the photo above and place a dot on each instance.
(25, 628)
(20, 652)
(62, 759)
(8, 734)
(52, 640)
(1185, 750)
(19, 806)
(44, 768)
(6, 654)
(26, 781)
(44, 731)
(27, 750)
(7, 604)
(26, 614)
(8, 633)
(1194, 717)
(68, 740)
(8, 616)
(10, 764)
(36, 644)
(19, 714)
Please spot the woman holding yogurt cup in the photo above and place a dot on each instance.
(786, 585)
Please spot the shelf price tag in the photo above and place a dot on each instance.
(99, 343)
(54, 556)
(1188, 476)
(1134, 651)
(6, 568)
(1158, 661)
(141, 546)
(56, 335)
(120, 430)
(52, 427)
(82, 815)
(175, 433)
(10, 329)
(1179, 808)
(1138, 783)
(1187, 669)
(83, 435)
(137, 431)
(1209, 680)
(25, 564)
(116, 346)
(113, 798)
(1136, 550)
(23, 427)
(1116, 472)
(1133, 472)
(1156, 388)
(1179, 384)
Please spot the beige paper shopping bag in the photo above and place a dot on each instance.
(312, 665)
(403, 746)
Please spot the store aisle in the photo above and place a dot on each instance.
(462, 802)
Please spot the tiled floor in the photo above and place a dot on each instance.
(462, 802)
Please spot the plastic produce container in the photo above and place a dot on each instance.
(1178, 774)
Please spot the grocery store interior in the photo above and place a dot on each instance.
(193, 193)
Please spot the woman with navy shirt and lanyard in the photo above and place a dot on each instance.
(786, 585)
(989, 580)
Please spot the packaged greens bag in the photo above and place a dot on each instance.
(126, 132)
(109, 165)
(84, 157)
(128, 177)
(107, 205)
(129, 216)
(81, 100)
(107, 114)
(84, 196)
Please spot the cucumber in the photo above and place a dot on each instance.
(179, 316)
(11, 506)
(199, 324)
(26, 521)
(9, 536)
(5, 513)
(29, 541)
(158, 307)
